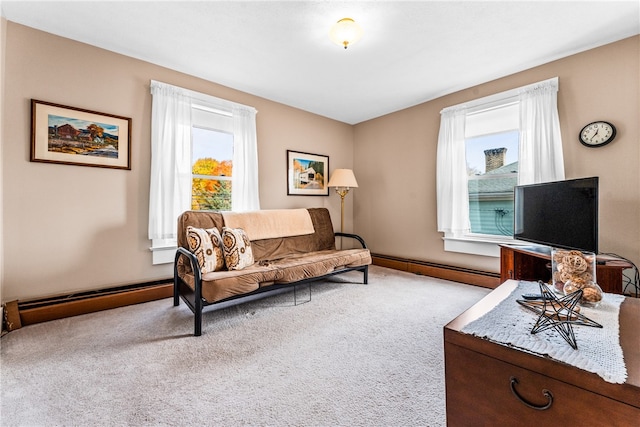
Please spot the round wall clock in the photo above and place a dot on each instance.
(597, 134)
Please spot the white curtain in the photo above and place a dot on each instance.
(541, 158)
(244, 193)
(170, 187)
(452, 189)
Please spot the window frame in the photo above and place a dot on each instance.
(214, 124)
(506, 127)
(163, 250)
(475, 243)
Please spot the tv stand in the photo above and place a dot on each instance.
(534, 263)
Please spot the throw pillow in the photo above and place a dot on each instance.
(237, 248)
(206, 245)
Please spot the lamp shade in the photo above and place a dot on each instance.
(343, 178)
(345, 32)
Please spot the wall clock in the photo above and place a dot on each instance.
(597, 134)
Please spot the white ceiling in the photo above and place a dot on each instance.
(411, 52)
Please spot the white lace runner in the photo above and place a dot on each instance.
(598, 350)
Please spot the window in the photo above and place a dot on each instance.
(492, 167)
(491, 152)
(485, 148)
(211, 163)
(203, 156)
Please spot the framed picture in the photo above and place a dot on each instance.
(73, 136)
(307, 174)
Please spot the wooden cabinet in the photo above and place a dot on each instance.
(488, 384)
(495, 404)
(534, 263)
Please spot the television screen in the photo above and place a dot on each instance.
(560, 214)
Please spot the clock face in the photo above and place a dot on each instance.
(597, 134)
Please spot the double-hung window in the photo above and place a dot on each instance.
(211, 160)
(203, 156)
(491, 153)
(485, 148)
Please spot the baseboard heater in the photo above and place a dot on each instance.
(22, 313)
(442, 271)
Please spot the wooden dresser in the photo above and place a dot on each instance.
(489, 384)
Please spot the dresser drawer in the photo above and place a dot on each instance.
(484, 391)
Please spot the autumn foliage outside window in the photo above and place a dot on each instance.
(212, 170)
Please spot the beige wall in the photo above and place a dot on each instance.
(72, 228)
(395, 207)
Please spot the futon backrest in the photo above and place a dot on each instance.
(268, 249)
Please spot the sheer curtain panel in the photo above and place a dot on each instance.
(245, 195)
(451, 177)
(170, 186)
(541, 158)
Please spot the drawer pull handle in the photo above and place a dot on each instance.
(546, 393)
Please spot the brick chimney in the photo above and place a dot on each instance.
(494, 158)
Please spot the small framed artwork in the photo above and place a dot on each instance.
(73, 136)
(307, 174)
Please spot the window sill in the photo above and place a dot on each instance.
(476, 245)
(163, 254)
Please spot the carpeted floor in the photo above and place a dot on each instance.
(355, 355)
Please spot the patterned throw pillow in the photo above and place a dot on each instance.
(206, 245)
(237, 248)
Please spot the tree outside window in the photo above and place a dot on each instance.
(212, 169)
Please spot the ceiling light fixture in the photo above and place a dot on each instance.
(345, 32)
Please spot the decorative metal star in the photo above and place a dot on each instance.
(558, 313)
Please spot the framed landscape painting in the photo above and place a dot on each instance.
(73, 136)
(307, 174)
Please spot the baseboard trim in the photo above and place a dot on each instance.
(25, 313)
(456, 274)
(46, 309)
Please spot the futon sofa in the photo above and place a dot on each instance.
(261, 251)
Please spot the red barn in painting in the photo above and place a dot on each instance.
(66, 131)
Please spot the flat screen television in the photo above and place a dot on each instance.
(560, 214)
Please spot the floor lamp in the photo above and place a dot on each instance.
(343, 180)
